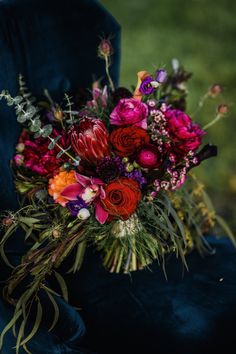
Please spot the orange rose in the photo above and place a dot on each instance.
(122, 197)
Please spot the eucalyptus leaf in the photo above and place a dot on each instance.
(21, 118)
(47, 129)
(60, 153)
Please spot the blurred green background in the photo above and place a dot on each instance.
(202, 35)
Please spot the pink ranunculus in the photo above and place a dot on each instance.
(130, 111)
(185, 134)
(149, 157)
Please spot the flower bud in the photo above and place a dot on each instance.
(56, 233)
(18, 159)
(161, 76)
(58, 114)
(223, 109)
(83, 214)
(105, 48)
(215, 90)
(7, 221)
(20, 147)
(129, 167)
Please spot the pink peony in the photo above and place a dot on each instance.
(149, 157)
(185, 134)
(130, 111)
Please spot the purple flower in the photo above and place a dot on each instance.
(110, 168)
(146, 87)
(161, 76)
(74, 206)
(137, 176)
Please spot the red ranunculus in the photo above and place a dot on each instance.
(122, 197)
(185, 134)
(128, 140)
(38, 158)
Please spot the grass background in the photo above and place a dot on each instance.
(202, 35)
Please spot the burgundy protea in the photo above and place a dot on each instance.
(89, 139)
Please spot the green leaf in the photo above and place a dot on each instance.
(35, 328)
(63, 285)
(79, 256)
(21, 118)
(47, 129)
(35, 125)
(28, 220)
(56, 311)
(20, 335)
(226, 228)
(53, 142)
(60, 153)
(9, 326)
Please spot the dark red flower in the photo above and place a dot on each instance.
(38, 158)
(128, 140)
(149, 157)
(122, 197)
(185, 134)
(89, 140)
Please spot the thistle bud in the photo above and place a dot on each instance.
(56, 233)
(215, 90)
(223, 109)
(105, 49)
(7, 221)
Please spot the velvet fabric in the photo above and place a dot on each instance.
(191, 312)
(53, 44)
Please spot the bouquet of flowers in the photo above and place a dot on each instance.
(112, 169)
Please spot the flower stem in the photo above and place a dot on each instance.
(108, 74)
(214, 121)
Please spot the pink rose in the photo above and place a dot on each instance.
(149, 157)
(185, 134)
(130, 111)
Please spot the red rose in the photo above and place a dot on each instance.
(122, 197)
(128, 140)
(185, 134)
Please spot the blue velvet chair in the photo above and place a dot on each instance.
(54, 45)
